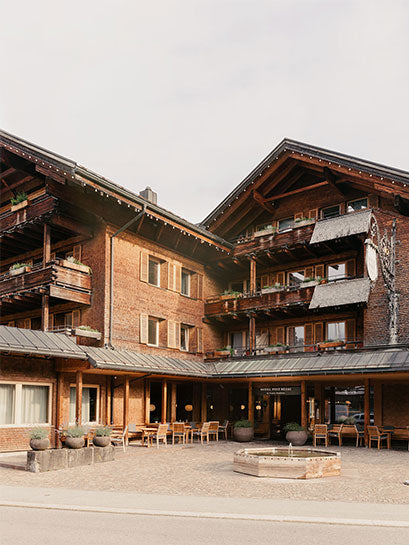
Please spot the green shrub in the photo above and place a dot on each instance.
(19, 266)
(20, 197)
(103, 431)
(75, 431)
(293, 426)
(39, 433)
(243, 424)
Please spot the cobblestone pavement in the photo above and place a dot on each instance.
(368, 475)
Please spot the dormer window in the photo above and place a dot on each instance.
(285, 224)
(330, 212)
(359, 204)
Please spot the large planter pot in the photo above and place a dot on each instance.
(39, 444)
(297, 438)
(243, 435)
(75, 266)
(74, 442)
(101, 440)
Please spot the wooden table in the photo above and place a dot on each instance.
(148, 432)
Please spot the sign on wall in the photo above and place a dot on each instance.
(280, 390)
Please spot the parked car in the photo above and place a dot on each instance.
(360, 418)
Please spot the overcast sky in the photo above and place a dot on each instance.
(188, 96)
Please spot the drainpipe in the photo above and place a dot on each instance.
(111, 286)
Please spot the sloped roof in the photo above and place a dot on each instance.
(39, 343)
(344, 292)
(341, 226)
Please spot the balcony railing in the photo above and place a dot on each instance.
(40, 205)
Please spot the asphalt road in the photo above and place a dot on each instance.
(20, 526)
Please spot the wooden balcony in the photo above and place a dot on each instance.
(37, 208)
(23, 291)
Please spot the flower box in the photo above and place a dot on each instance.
(272, 289)
(226, 296)
(331, 344)
(303, 222)
(264, 232)
(19, 206)
(75, 266)
(20, 270)
(309, 284)
(222, 353)
(80, 332)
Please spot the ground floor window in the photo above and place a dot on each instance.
(24, 404)
(89, 404)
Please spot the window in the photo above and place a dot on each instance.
(185, 285)
(184, 338)
(296, 336)
(153, 331)
(295, 278)
(153, 272)
(264, 227)
(89, 404)
(330, 212)
(24, 404)
(359, 204)
(336, 271)
(285, 224)
(336, 331)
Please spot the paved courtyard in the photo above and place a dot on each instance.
(367, 475)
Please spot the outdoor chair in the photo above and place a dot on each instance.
(178, 430)
(320, 432)
(375, 435)
(214, 430)
(203, 432)
(160, 435)
(351, 430)
(223, 428)
(336, 432)
(118, 438)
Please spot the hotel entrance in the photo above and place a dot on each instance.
(275, 406)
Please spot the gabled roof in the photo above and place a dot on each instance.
(344, 292)
(328, 157)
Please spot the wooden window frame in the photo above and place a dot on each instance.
(157, 262)
(327, 208)
(97, 409)
(185, 328)
(188, 274)
(156, 320)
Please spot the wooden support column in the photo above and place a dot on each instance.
(253, 275)
(304, 422)
(46, 244)
(196, 402)
(319, 394)
(45, 312)
(252, 333)
(59, 417)
(126, 407)
(367, 395)
(173, 402)
(204, 403)
(378, 404)
(78, 398)
(164, 399)
(250, 408)
(108, 400)
(147, 401)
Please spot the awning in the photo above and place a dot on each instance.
(38, 343)
(345, 292)
(341, 226)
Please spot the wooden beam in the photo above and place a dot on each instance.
(147, 401)
(126, 407)
(260, 200)
(296, 191)
(204, 403)
(331, 178)
(378, 404)
(173, 402)
(45, 312)
(304, 422)
(78, 398)
(250, 408)
(46, 244)
(253, 274)
(164, 399)
(367, 416)
(7, 172)
(59, 415)
(71, 225)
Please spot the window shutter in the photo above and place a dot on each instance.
(309, 337)
(171, 334)
(177, 334)
(320, 271)
(76, 318)
(290, 336)
(280, 335)
(144, 267)
(319, 332)
(76, 252)
(178, 278)
(199, 280)
(265, 280)
(309, 272)
(199, 340)
(143, 329)
(350, 268)
(313, 214)
(350, 330)
(298, 215)
(280, 278)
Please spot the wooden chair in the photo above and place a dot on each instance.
(351, 430)
(203, 432)
(160, 435)
(320, 432)
(375, 435)
(214, 430)
(118, 438)
(223, 428)
(178, 430)
(336, 432)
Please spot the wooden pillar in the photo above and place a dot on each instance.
(45, 312)
(304, 422)
(126, 406)
(253, 275)
(108, 400)
(164, 399)
(196, 402)
(378, 404)
(59, 417)
(367, 395)
(204, 402)
(46, 244)
(78, 398)
(252, 333)
(173, 402)
(332, 406)
(147, 401)
(250, 408)
(319, 394)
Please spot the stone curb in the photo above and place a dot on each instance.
(210, 515)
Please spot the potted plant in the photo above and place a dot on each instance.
(39, 439)
(331, 343)
(295, 434)
(309, 281)
(321, 280)
(272, 289)
(19, 201)
(230, 294)
(264, 232)
(19, 268)
(223, 352)
(75, 437)
(86, 331)
(243, 431)
(73, 263)
(300, 222)
(102, 436)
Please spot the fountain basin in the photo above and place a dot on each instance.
(277, 462)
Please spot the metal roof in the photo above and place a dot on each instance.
(129, 360)
(38, 343)
(341, 226)
(344, 292)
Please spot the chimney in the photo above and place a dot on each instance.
(149, 195)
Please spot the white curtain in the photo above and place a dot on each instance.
(85, 405)
(34, 404)
(7, 401)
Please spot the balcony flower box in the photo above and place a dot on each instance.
(303, 221)
(19, 206)
(230, 295)
(276, 349)
(272, 289)
(222, 353)
(265, 232)
(309, 284)
(331, 344)
(86, 332)
(20, 270)
(76, 266)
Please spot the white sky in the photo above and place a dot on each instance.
(187, 96)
